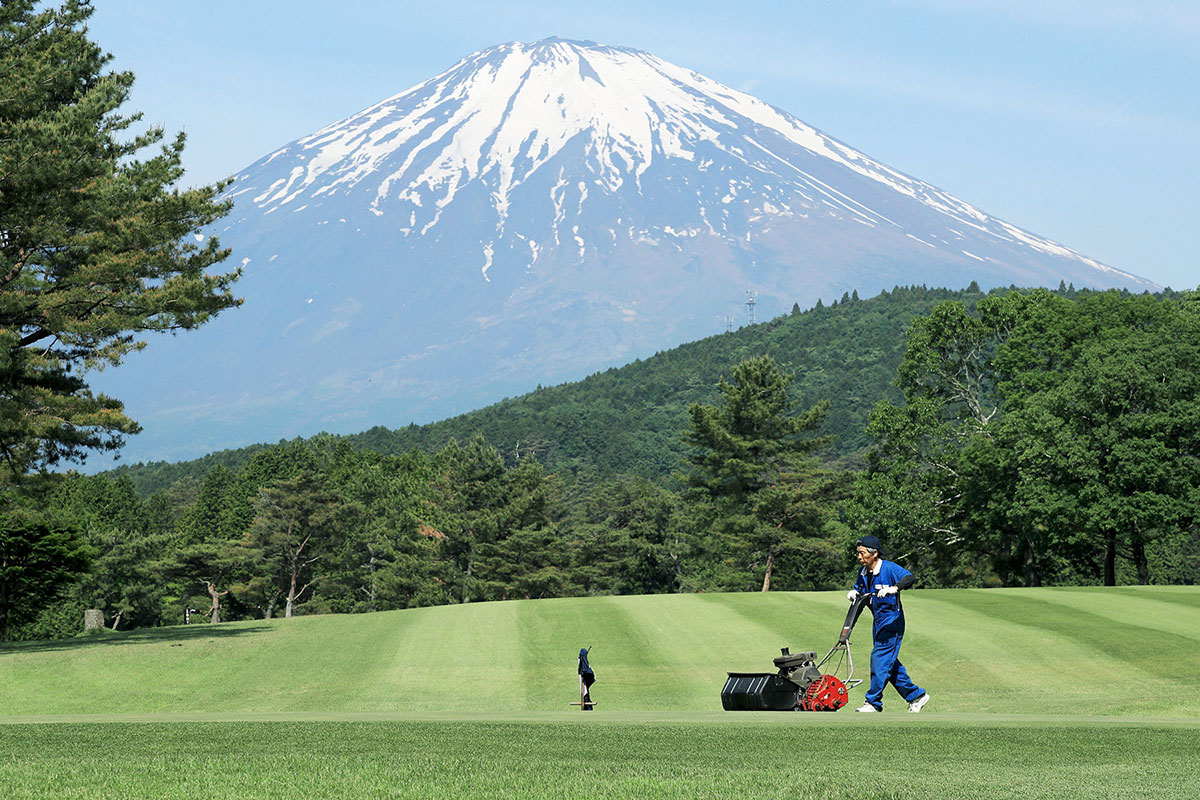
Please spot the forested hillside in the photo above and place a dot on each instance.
(627, 420)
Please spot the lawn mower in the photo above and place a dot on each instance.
(798, 684)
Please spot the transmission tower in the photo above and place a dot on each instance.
(729, 323)
(750, 301)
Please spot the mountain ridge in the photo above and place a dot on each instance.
(531, 215)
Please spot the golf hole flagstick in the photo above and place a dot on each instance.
(798, 684)
(586, 678)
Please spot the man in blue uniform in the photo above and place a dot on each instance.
(884, 580)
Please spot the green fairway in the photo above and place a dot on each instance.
(1053, 693)
(1129, 651)
(770, 755)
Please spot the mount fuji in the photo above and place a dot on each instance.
(533, 214)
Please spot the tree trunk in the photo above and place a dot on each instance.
(117, 620)
(1032, 575)
(466, 595)
(371, 582)
(294, 565)
(1110, 558)
(215, 612)
(1138, 544)
(767, 577)
(291, 597)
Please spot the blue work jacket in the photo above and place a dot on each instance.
(887, 611)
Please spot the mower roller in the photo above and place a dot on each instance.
(798, 684)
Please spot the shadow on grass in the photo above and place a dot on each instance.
(177, 634)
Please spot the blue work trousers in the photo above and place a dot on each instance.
(886, 668)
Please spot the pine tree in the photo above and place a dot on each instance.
(469, 511)
(297, 526)
(492, 525)
(39, 556)
(96, 244)
(115, 524)
(753, 462)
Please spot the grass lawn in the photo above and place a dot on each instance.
(575, 756)
(1119, 652)
(1053, 693)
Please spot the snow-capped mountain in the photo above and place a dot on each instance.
(535, 213)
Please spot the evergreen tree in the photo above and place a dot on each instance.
(753, 461)
(208, 566)
(632, 538)
(527, 558)
(39, 556)
(96, 242)
(388, 562)
(297, 526)
(116, 525)
(468, 510)
(201, 521)
(491, 523)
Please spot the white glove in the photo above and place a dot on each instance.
(852, 595)
(884, 591)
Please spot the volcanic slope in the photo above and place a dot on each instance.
(534, 214)
(1118, 652)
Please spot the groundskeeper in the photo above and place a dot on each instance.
(586, 678)
(883, 581)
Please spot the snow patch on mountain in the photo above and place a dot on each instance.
(501, 116)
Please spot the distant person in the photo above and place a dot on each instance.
(586, 678)
(884, 580)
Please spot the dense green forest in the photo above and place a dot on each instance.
(1020, 438)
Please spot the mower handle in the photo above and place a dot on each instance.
(843, 642)
(852, 615)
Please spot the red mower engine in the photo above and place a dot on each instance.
(827, 694)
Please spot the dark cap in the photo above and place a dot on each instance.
(869, 542)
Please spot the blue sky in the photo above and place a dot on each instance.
(1076, 119)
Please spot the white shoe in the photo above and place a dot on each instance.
(867, 707)
(916, 705)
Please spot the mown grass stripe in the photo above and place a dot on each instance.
(452, 657)
(550, 645)
(1114, 654)
(1155, 610)
(646, 665)
(1179, 595)
(994, 658)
